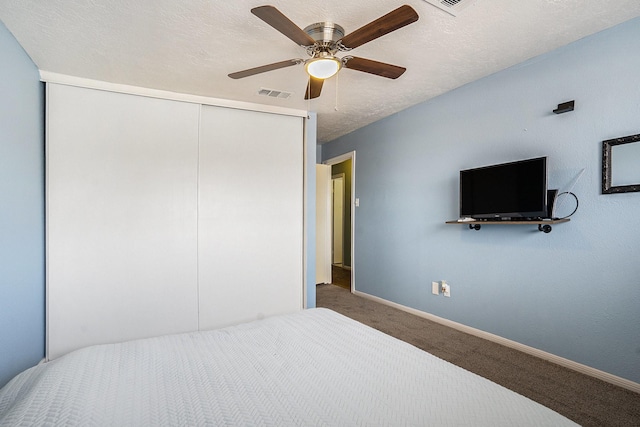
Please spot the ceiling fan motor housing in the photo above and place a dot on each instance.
(325, 32)
(326, 35)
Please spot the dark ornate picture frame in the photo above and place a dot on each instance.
(607, 187)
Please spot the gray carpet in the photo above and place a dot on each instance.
(583, 399)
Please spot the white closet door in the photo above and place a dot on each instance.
(250, 215)
(121, 217)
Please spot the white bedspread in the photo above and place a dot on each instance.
(311, 368)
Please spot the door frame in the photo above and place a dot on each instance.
(333, 161)
(338, 177)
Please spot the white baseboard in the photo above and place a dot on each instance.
(578, 367)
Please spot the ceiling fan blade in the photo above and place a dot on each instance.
(374, 67)
(277, 20)
(398, 18)
(313, 88)
(265, 68)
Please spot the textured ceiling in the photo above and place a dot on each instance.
(190, 46)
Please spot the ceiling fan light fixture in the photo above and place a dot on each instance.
(323, 67)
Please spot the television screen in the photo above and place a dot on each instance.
(508, 190)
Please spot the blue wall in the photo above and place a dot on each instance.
(311, 150)
(21, 210)
(574, 292)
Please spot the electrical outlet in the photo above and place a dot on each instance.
(446, 289)
(435, 288)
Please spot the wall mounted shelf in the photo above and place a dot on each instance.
(544, 225)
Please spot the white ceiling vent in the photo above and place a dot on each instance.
(274, 93)
(454, 7)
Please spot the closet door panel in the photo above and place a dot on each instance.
(250, 215)
(121, 217)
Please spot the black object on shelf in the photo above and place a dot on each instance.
(565, 107)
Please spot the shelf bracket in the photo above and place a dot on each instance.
(545, 228)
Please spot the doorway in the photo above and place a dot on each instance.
(342, 220)
(337, 219)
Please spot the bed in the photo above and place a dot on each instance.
(311, 368)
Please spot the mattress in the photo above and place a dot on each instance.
(312, 368)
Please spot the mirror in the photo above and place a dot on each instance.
(621, 165)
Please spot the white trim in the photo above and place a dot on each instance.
(305, 209)
(341, 158)
(49, 77)
(578, 367)
(333, 161)
(198, 200)
(46, 224)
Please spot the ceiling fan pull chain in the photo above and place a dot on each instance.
(308, 94)
(337, 79)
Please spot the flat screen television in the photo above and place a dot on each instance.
(515, 190)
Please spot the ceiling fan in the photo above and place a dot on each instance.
(324, 39)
